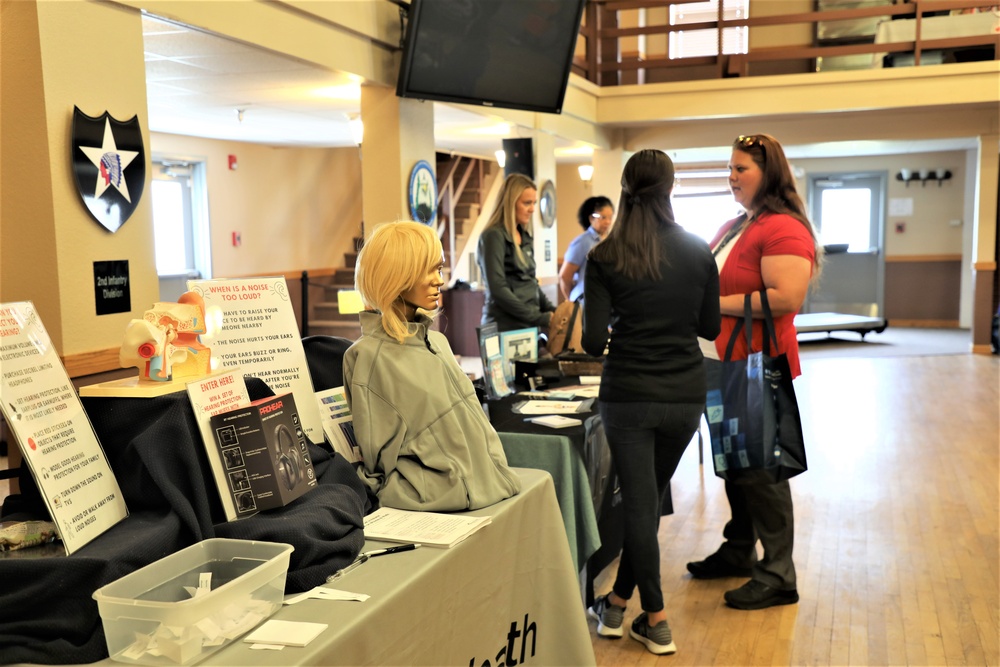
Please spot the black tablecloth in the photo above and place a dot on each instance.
(154, 447)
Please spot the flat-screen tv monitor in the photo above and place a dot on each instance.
(501, 53)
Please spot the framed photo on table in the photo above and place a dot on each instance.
(518, 345)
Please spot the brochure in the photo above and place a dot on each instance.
(518, 345)
(551, 407)
(494, 372)
(555, 421)
(338, 424)
(427, 528)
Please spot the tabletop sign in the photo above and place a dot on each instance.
(259, 334)
(111, 289)
(211, 396)
(56, 439)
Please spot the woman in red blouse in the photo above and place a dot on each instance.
(771, 246)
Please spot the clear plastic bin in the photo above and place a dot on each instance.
(163, 614)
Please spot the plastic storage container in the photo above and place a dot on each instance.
(188, 605)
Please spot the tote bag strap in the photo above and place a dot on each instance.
(769, 331)
(746, 327)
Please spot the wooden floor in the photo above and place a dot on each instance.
(896, 528)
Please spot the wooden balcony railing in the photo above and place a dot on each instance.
(609, 24)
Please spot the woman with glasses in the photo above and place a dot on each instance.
(773, 246)
(657, 286)
(596, 216)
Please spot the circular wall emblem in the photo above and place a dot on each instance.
(547, 204)
(423, 193)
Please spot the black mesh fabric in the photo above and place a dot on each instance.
(48, 614)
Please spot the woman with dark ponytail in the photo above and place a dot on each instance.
(657, 287)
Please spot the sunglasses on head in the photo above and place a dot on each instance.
(746, 141)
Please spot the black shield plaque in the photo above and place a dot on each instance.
(109, 165)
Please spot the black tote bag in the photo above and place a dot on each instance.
(753, 416)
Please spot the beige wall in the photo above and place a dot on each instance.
(295, 208)
(50, 241)
(927, 231)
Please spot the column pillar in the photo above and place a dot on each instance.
(984, 242)
(57, 55)
(404, 129)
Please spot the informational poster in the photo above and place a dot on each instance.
(53, 432)
(260, 335)
(210, 396)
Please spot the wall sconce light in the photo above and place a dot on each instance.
(357, 127)
(501, 158)
(586, 173)
(940, 174)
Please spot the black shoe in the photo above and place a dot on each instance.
(717, 567)
(758, 595)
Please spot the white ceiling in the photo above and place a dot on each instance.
(197, 83)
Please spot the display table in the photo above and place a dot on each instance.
(597, 532)
(509, 588)
(560, 457)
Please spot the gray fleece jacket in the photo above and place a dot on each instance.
(425, 439)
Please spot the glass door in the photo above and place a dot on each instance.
(848, 212)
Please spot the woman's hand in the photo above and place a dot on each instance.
(786, 279)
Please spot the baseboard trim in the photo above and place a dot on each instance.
(982, 349)
(924, 324)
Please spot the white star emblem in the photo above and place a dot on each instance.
(111, 162)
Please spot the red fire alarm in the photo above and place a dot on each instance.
(900, 227)
(237, 240)
(233, 164)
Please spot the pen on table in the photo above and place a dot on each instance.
(363, 558)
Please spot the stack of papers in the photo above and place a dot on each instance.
(285, 633)
(555, 421)
(426, 528)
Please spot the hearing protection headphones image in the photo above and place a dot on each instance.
(288, 460)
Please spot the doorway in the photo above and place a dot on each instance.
(180, 225)
(848, 210)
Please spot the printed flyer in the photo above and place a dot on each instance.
(52, 430)
(260, 335)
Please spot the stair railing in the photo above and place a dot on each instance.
(451, 186)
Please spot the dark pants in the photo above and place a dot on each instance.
(759, 512)
(646, 441)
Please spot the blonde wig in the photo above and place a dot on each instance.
(505, 212)
(392, 260)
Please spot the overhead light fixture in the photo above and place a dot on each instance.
(239, 115)
(586, 173)
(357, 127)
(501, 158)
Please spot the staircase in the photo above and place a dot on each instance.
(462, 185)
(463, 182)
(326, 318)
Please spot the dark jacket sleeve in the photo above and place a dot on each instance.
(597, 310)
